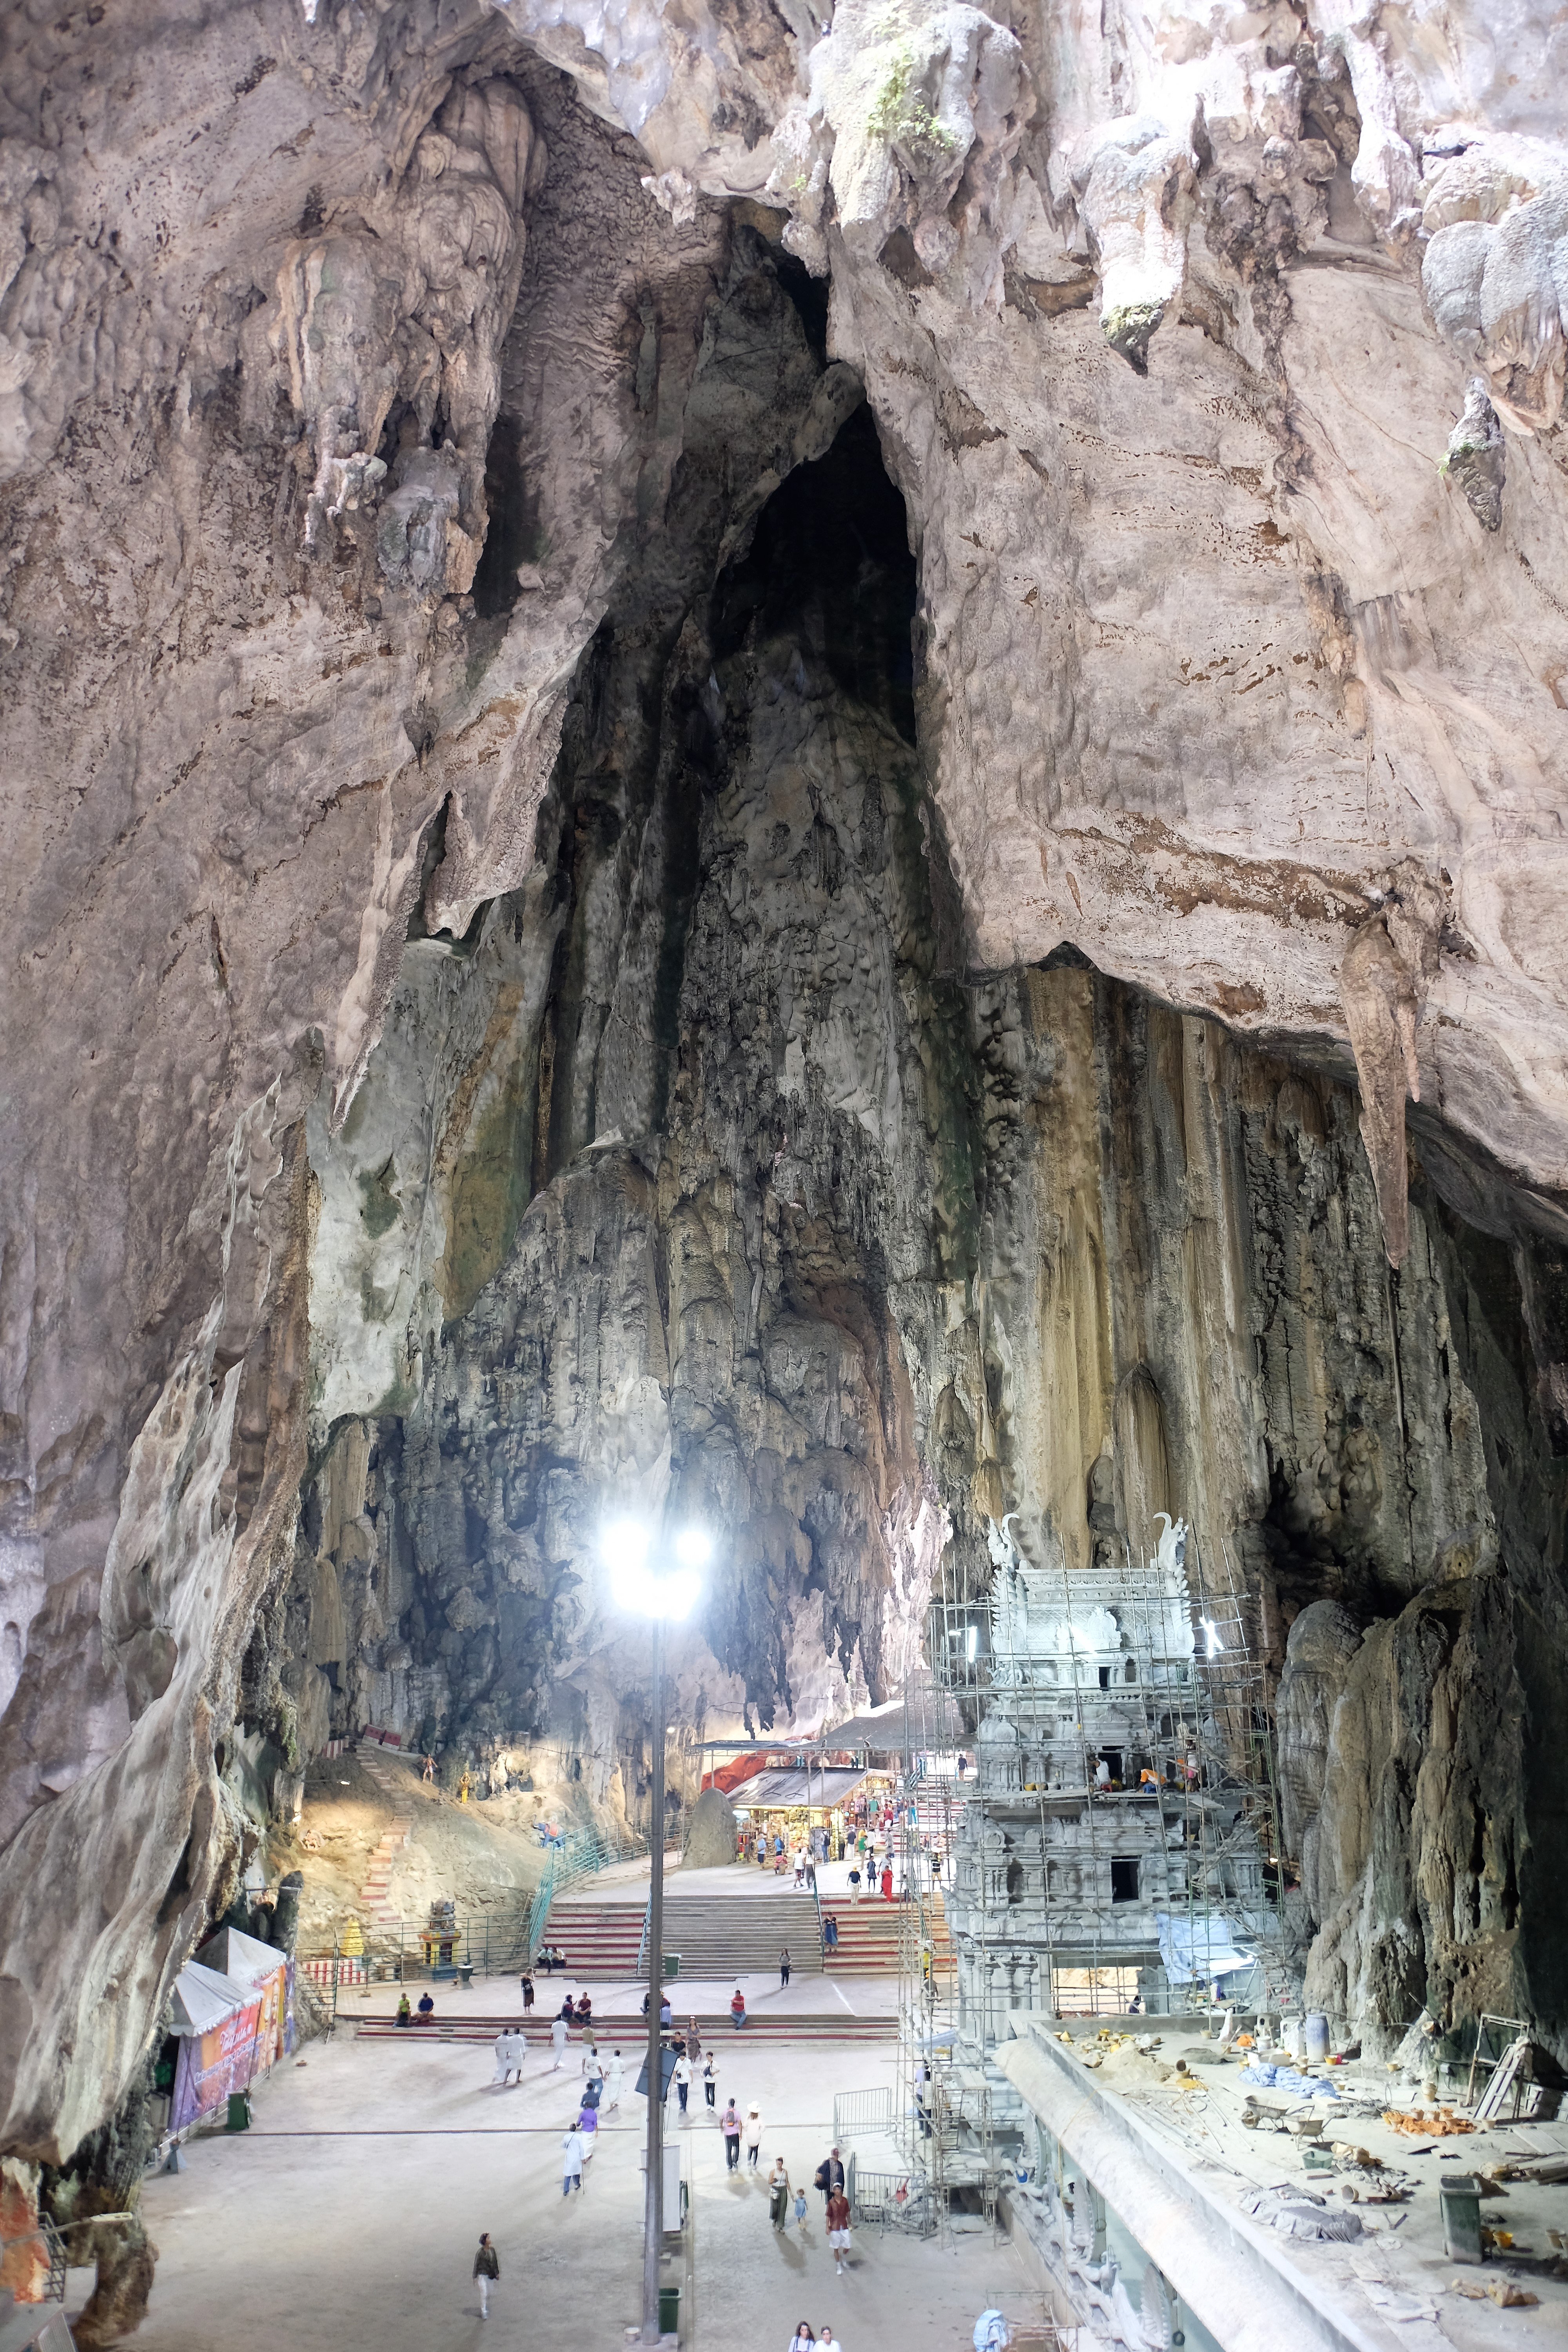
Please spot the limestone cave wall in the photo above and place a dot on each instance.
(813, 769)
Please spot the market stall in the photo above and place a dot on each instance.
(214, 2023)
(269, 1975)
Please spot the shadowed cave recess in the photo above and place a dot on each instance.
(687, 1128)
(782, 1217)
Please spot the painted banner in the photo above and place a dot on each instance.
(213, 2065)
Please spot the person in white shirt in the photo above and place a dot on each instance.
(572, 2161)
(682, 2079)
(803, 2340)
(752, 2133)
(612, 2081)
(828, 2342)
(558, 2039)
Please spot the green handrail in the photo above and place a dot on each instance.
(581, 1854)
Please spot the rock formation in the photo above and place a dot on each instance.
(813, 769)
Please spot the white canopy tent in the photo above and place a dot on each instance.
(203, 1998)
(243, 1959)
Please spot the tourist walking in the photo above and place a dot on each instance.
(887, 1882)
(828, 2342)
(710, 2079)
(838, 2227)
(613, 2082)
(829, 1932)
(683, 2083)
(558, 2031)
(487, 2267)
(778, 2194)
(753, 2137)
(829, 2173)
(737, 2010)
(527, 1992)
(783, 1966)
(730, 2125)
(855, 1884)
(572, 2153)
(803, 2340)
(593, 2072)
(800, 2211)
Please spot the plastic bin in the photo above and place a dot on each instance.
(1459, 2202)
(670, 2310)
(672, 1964)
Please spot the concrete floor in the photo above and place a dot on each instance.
(348, 2217)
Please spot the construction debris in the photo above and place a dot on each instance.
(1421, 2123)
(1501, 2291)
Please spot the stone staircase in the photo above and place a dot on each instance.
(376, 1892)
(599, 1934)
(453, 2023)
(870, 1936)
(739, 1934)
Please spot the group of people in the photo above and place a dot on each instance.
(1178, 1772)
(785, 2198)
(422, 2016)
(803, 2340)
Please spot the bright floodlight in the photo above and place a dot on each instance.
(641, 1590)
(1215, 1645)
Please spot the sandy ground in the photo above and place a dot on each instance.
(348, 2217)
(483, 1856)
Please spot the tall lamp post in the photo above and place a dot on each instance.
(646, 1585)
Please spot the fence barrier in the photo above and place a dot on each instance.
(857, 2113)
(892, 2201)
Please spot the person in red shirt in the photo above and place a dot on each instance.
(888, 1884)
(738, 2008)
(838, 2227)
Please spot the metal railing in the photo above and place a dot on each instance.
(893, 2200)
(856, 2113)
(579, 1855)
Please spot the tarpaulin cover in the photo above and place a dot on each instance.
(1195, 1949)
(817, 1788)
(203, 1997)
(245, 1958)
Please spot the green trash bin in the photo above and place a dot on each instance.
(672, 1964)
(239, 2111)
(669, 2311)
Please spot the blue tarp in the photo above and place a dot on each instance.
(1193, 1950)
(1287, 2078)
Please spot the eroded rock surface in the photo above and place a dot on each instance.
(529, 980)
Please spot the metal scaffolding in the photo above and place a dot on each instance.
(1116, 1838)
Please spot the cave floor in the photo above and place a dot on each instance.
(348, 2216)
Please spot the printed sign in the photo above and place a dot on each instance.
(213, 2065)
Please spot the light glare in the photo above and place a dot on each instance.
(641, 1590)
